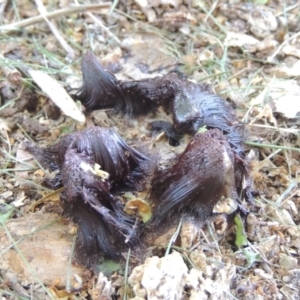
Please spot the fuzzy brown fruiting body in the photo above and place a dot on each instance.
(103, 145)
(103, 227)
(210, 167)
(168, 129)
(192, 186)
(191, 105)
(93, 164)
(203, 173)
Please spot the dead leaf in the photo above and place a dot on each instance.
(57, 94)
(227, 206)
(282, 70)
(139, 206)
(282, 95)
(19, 199)
(25, 161)
(241, 40)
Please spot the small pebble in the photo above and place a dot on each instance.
(288, 262)
(6, 194)
(8, 185)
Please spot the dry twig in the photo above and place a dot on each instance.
(43, 11)
(55, 14)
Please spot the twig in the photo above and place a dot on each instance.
(43, 11)
(55, 14)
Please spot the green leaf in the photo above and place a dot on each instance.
(108, 267)
(261, 2)
(250, 256)
(6, 213)
(140, 206)
(66, 129)
(241, 237)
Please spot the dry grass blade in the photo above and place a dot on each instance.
(46, 198)
(292, 37)
(261, 145)
(9, 71)
(54, 14)
(55, 31)
(99, 23)
(126, 275)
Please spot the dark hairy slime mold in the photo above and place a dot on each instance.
(96, 165)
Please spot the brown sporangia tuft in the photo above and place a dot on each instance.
(92, 163)
(203, 174)
(96, 166)
(191, 104)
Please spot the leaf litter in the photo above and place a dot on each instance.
(247, 53)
